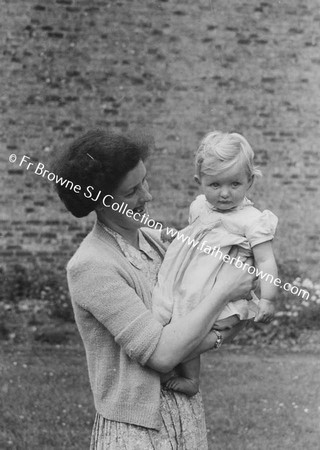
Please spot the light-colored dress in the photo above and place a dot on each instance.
(194, 258)
(183, 420)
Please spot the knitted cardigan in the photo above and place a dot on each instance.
(112, 308)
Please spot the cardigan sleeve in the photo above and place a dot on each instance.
(108, 296)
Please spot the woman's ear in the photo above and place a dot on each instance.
(251, 180)
(99, 207)
(197, 179)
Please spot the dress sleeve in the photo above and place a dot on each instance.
(262, 229)
(108, 296)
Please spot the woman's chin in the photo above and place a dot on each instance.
(138, 220)
(140, 216)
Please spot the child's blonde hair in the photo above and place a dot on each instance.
(219, 151)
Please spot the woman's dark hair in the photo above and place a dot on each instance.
(99, 159)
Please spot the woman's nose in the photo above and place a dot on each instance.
(145, 193)
(148, 197)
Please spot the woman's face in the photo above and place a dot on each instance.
(133, 191)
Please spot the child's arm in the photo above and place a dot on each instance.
(268, 272)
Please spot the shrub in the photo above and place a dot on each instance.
(293, 315)
(37, 282)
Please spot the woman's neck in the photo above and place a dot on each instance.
(130, 235)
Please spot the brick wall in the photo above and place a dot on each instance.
(179, 67)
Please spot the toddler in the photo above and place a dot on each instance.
(220, 218)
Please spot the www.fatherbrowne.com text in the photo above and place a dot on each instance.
(40, 170)
(217, 253)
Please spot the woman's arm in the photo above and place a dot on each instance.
(211, 338)
(103, 294)
(180, 338)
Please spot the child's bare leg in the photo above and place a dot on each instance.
(227, 323)
(187, 380)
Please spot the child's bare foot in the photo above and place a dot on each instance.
(184, 385)
(165, 377)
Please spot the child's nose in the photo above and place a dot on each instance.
(224, 192)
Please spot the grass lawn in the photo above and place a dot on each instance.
(45, 399)
(262, 399)
(254, 399)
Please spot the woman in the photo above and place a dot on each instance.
(111, 277)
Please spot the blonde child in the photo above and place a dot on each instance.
(220, 218)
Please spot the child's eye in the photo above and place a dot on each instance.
(214, 185)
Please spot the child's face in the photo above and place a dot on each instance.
(226, 190)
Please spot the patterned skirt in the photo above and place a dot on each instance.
(183, 428)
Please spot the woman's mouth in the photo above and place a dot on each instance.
(140, 210)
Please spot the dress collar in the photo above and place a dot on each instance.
(245, 202)
(134, 256)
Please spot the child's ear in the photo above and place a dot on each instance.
(197, 179)
(251, 180)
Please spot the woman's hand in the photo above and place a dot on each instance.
(234, 280)
(167, 236)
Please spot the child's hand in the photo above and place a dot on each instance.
(168, 237)
(266, 311)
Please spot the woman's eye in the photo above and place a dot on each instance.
(235, 184)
